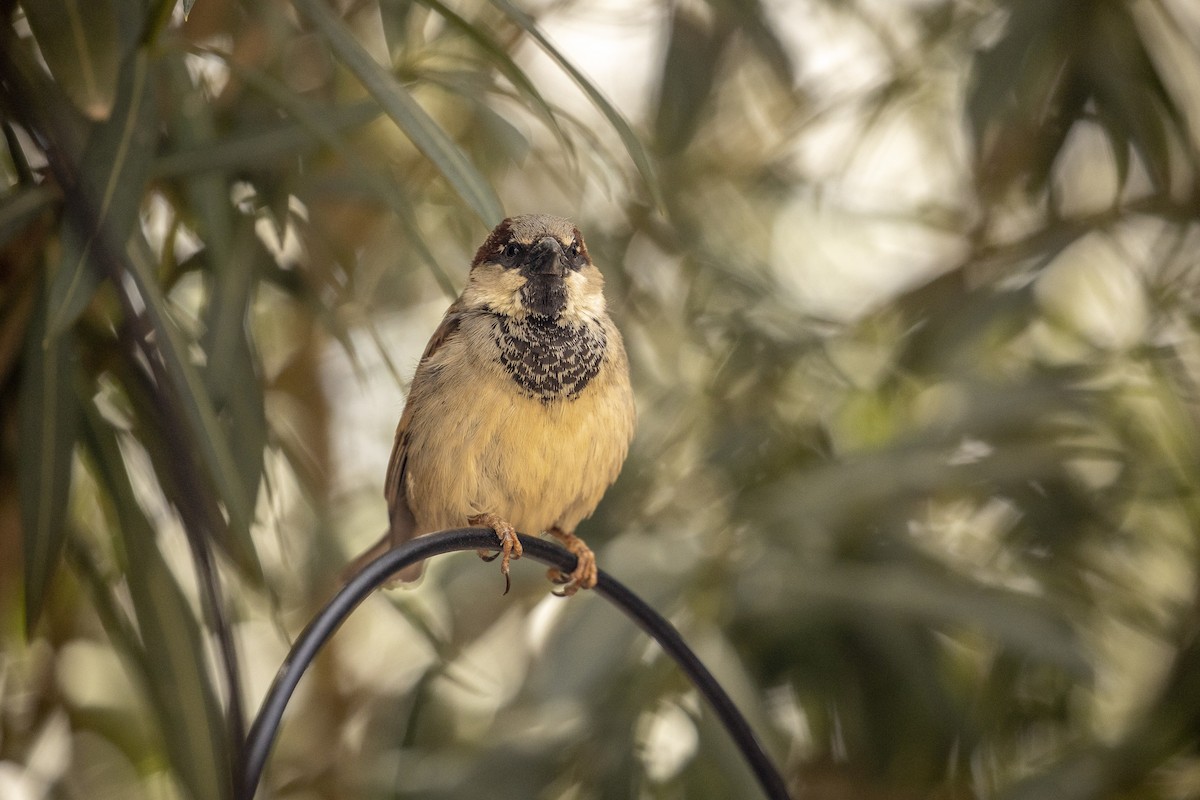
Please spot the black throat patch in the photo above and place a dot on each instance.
(545, 295)
(547, 360)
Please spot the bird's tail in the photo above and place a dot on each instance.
(409, 574)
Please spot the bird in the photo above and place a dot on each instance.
(520, 413)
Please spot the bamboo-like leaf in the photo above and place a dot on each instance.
(428, 137)
(396, 16)
(16, 153)
(633, 144)
(78, 40)
(500, 58)
(688, 73)
(115, 167)
(239, 150)
(1028, 625)
(1015, 83)
(1135, 104)
(99, 193)
(231, 373)
(46, 437)
(207, 191)
(205, 429)
(390, 192)
(180, 688)
(19, 207)
(750, 17)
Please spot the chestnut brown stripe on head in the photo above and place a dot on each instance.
(494, 243)
(526, 230)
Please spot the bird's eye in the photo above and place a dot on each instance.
(512, 250)
(573, 250)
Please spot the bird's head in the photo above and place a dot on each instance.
(536, 266)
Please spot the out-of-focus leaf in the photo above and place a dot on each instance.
(1025, 92)
(499, 57)
(396, 16)
(16, 309)
(114, 170)
(78, 40)
(241, 150)
(193, 129)
(509, 140)
(1131, 100)
(231, 374)
(964, 323)
(749, 17)
(75, 281)
(1030, 626)
(187, 7)
(205, 429)
(46, 436)
(693, 57)
(633, 144)
(1080, 777)
(53, 109)
(428, 137)
(1034, 84)
(20, 206)
(150, 20)
(22, 272)
(180, 689)
(390, 192)
(112, 616)
(16, 153)
(843, 496)
(99, 187)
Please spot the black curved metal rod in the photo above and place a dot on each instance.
(262, 733)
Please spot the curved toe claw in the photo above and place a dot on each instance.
(585, 573)
(510, 545)
(558, 576)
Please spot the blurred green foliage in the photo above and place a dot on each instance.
(911, 294)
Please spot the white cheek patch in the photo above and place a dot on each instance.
(497, 288)
(585, 295)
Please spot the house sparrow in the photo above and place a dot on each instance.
(520, 412)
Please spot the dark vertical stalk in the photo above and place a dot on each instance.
(60, 145)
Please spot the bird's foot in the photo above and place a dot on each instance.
(510, 545)
(584, 575)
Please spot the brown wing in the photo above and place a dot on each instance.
(402, 525)
(402, 521)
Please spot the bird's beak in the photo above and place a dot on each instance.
(546, 258)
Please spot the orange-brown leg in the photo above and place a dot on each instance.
(584, 576)
(510, 545)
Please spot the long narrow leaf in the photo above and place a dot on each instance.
(46, 435)
(232, 373)
(193, 126)
(204, 427)
(428, 137)
(633, 144)
(78, 40)
(180, 688)
(115, 167)
(390, 192)
(19, 207)
(500, 58)
(128, 256)
(239, 150)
